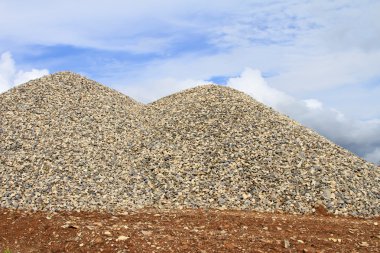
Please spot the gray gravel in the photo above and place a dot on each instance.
(69, 143)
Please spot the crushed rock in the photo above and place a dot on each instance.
(69, 143)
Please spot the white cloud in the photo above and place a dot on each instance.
(374, 156)
(327, 70)
(25, 76)
(137, 27)
(7, 71)
(251, 82)
(10, 76)
(313, 103)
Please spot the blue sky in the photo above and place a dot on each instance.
(316, 61)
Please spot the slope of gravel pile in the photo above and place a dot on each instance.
(64, 143)
(69, 143)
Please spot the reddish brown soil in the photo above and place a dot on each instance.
(185, 231)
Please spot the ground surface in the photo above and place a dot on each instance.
(185, 231)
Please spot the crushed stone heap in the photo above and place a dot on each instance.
(69, 143)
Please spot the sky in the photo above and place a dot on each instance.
(316, 61)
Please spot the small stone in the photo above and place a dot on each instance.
(286, 244)
(68, 225)
(246, 196)
(107, 233)
(300, 241)
(122, 238)
(146, 233)
(333, 239)
(364, 244)
(98, 240)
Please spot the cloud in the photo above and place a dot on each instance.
(361, 137)
(10, 76)
(313, 103)
(327, 70)
(149, 26)
(374, 156)
(252, 83)
(25, 76)
(7, 71)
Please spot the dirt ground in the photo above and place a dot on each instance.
(185, 231)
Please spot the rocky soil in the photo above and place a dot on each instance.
(69, 143)
(193, 230)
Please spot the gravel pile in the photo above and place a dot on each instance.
(69, 143)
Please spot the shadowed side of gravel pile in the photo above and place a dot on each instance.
(69, 143)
